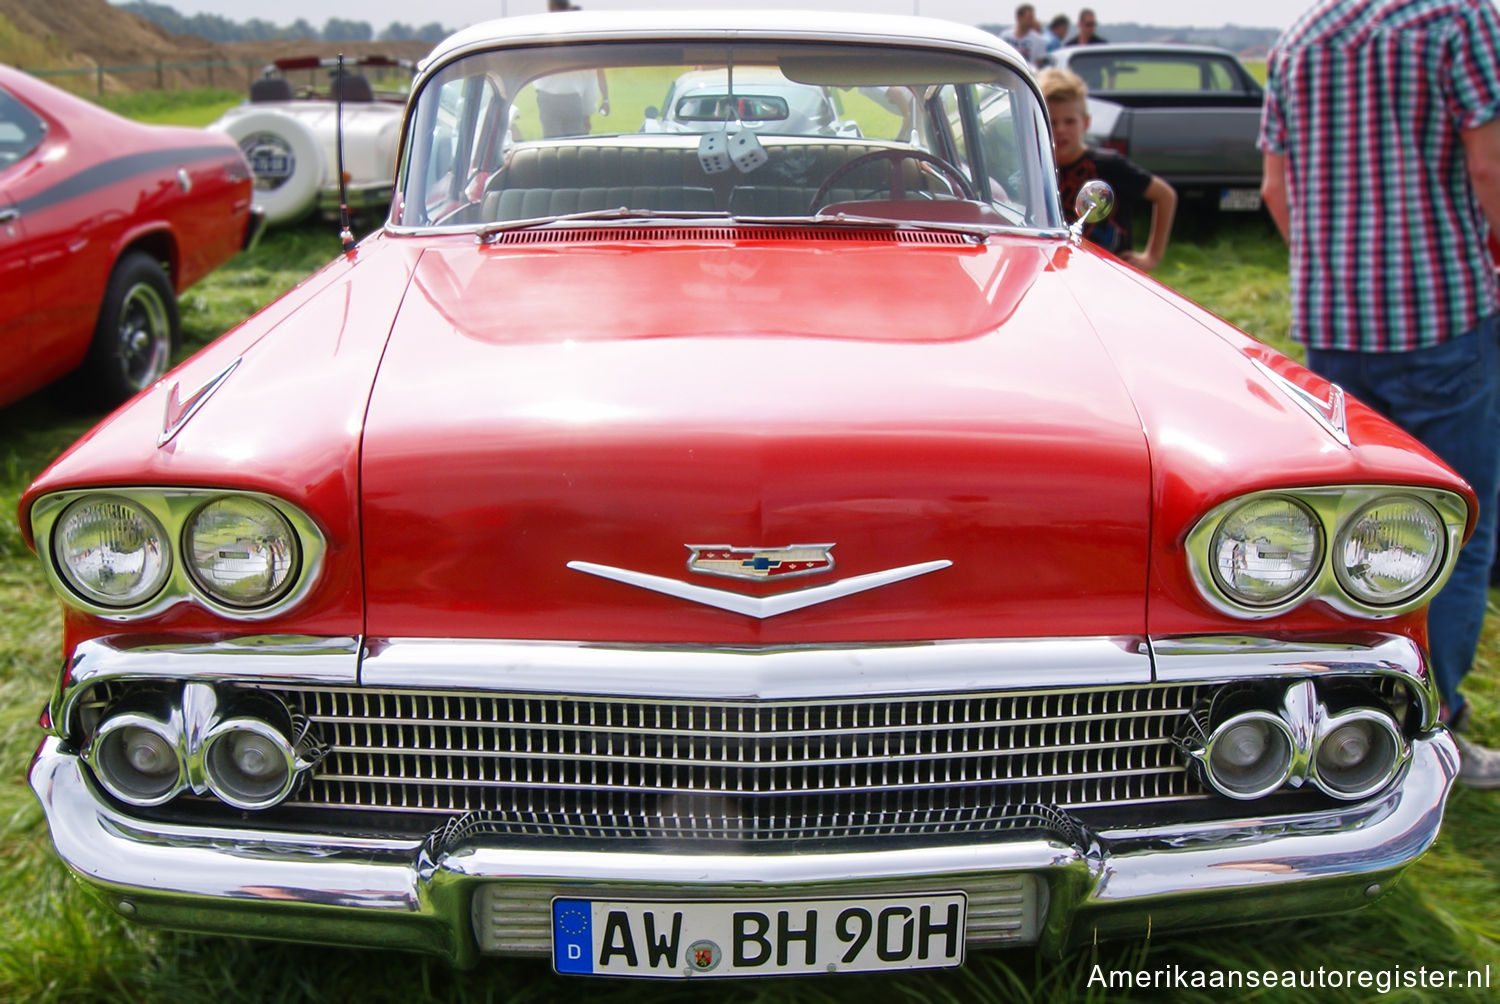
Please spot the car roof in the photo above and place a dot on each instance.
(726, 26)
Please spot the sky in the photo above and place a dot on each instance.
(459, 13)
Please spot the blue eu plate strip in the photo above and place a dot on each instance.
(572, 943)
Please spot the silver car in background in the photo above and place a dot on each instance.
(759, 98)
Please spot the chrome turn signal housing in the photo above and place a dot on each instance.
(1245, 744)
(138, 757)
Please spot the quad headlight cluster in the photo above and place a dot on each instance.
(1246, 745)
(1372, 550)
(131, 552)
(250, 752)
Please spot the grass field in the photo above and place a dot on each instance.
(57, 944)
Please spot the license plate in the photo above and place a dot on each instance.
(1239, 200)
(757, 937)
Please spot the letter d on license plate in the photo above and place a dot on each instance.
(757, 937)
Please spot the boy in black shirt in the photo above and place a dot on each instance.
(1067, 105)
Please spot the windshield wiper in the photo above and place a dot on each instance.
(490, 230)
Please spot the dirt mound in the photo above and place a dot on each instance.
(93, 33)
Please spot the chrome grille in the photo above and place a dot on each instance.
(744, 771)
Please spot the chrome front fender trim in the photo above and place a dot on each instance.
(391, 894)
(1223, 658)
(297, 659)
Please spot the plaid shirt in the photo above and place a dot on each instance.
(1366, 99)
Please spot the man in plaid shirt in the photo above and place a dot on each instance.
(1381, 136)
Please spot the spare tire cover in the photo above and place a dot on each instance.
(286, 158)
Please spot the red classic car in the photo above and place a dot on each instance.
(103, 221)
(739, 553)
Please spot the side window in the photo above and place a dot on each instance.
(1000, 143)
(21, 131)
(949, 98)
(1217, 76)
(460, 134)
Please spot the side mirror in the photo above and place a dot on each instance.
(1096, 200)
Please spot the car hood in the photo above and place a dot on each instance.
(555, 426)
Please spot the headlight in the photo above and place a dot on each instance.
(1389, 550)
(111, 551)
(241, 551)
(1266, 551)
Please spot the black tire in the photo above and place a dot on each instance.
(136, 333)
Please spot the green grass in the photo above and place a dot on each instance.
(57, 944)
(197, 106)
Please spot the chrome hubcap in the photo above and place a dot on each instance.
(145, 338)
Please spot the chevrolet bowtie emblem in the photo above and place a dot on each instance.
(760, 562)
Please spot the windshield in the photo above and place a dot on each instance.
(745, 130)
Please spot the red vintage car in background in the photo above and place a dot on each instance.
(739, 553)
(103, 222)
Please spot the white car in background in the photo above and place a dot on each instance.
(760, 98)
(289, 133)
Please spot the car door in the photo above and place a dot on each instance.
(20, 133)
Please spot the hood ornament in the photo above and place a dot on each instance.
(179, 410)
(760, 607)
(760, 562)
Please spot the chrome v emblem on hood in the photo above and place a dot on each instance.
(758, 606)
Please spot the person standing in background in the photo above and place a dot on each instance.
(1087, 22)
(567, 101)
(1057, 32)
(1381, 142)
(1026, 35)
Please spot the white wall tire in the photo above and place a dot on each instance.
(287, 160)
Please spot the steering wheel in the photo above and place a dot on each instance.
(897, 187)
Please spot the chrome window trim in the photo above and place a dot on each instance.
(173, 507)
(1332, 505)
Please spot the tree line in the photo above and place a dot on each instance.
(217, 28)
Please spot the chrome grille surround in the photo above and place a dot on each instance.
(563, 767)
(560, 741)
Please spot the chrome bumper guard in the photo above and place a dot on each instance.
(397, 894)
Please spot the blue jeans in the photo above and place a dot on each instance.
(1448, 397)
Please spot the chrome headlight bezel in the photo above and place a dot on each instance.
(1334, 507)
(153, 529)
(173, 509)
(1349, 525)
(1317, 546)
(274, 521)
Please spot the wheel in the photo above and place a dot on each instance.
(136, 333)
(286, 159)
(897, 186)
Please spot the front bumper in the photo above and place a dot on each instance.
(405, 894)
